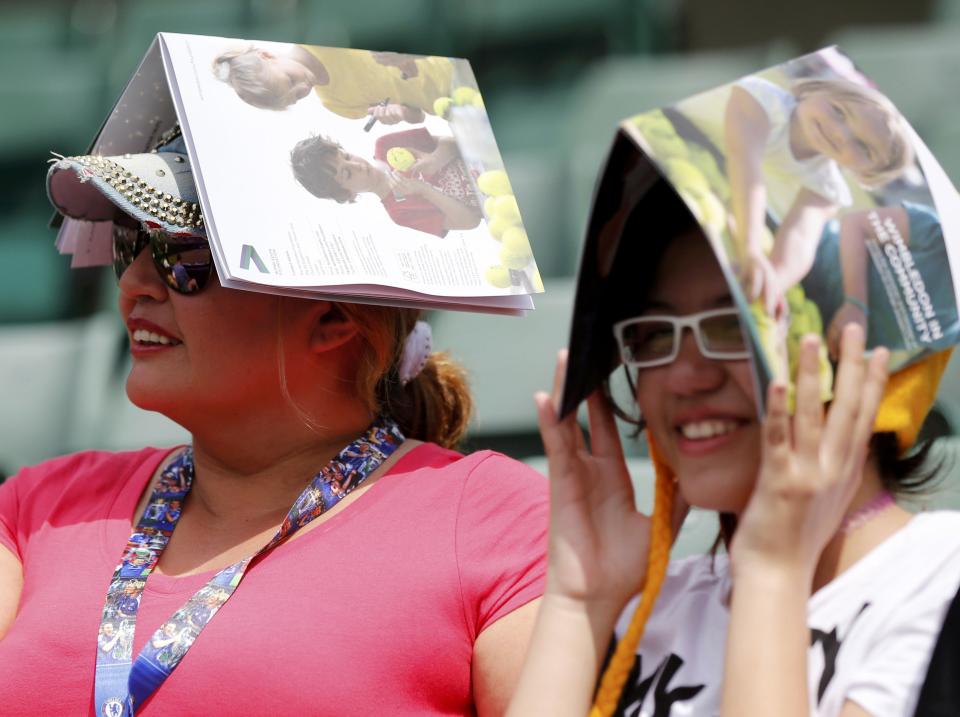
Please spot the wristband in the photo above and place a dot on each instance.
(856, 302)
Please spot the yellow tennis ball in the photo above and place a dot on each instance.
(506, 206)
(489, 204)
(478, 101)
(516, 239)
(515, 249)
(537, 281)
(713, 212)
(685, 175)
(498, 275)
(498, 225)
(441, 106)
(400, 158)
(494, 183)
(464, 95)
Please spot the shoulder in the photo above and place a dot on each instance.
(702, 573)
(76, 487)
(479, 472)
(690, 585)
(936, 536)
(776, 102)
(86, 464)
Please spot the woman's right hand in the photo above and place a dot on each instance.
(598, 539)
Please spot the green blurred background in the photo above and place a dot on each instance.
(556, 75)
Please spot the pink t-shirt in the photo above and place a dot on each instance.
(373, 612)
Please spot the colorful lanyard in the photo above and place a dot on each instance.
(122, 685)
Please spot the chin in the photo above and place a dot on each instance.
(149, 394)
(714, 495)
(723, 485)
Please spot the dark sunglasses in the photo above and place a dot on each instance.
(184, 263)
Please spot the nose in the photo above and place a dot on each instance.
(839, 135)
(692, 373)
(141, 280)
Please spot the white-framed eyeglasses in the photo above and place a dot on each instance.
(654, 340)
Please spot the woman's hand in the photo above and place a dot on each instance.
(598, 540)
(812, 465)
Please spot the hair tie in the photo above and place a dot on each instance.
(222, 70)
(416, 351)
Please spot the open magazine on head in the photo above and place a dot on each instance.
(820, 202)
(327, 172)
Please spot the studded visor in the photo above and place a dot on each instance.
(156, 188)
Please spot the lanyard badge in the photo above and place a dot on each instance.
(123, 684)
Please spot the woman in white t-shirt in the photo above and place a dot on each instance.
(832, 595)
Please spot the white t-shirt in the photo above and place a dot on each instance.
(872, 629)
(784, 174)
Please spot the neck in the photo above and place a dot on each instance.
(257, 465)
(846, 548)
(310, 61)
(380, 184)
(800, 146)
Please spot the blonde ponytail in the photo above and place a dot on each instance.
(435, 405)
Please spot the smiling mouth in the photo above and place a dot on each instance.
(151, 338)
(702, 430)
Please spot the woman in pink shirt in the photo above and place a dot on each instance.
(404, 577)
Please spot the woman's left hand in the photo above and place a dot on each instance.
(813, 463)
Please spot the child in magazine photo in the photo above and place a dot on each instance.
(387, 86)
(420, 179)
(808, 181)
(825, 591)
(785, 150)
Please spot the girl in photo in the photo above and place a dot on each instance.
(785, 150)
(434, 194)
(351, 83)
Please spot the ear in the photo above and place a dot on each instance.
(331, 328)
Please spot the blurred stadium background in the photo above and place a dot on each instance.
(556, 75)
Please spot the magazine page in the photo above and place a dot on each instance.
(822, 205)
(349, 171)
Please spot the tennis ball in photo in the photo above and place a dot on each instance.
(478, 101)
(400, 158)
(537, 281)
(686, 176)
(654, 123)
(489, 204)
(506, 206)
(707, 164)
(464, 95)
(494, 183)
(661, 136)
(515, 249)
(497, 275)
(714, 214)
(690, 199)
(498, 225)
(441, 106)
